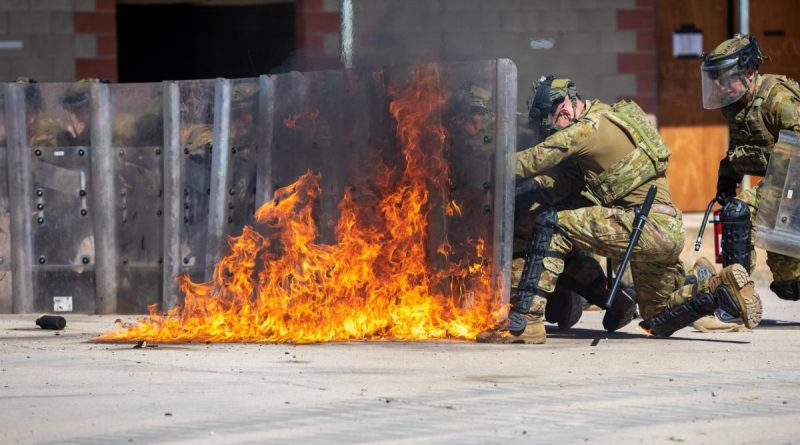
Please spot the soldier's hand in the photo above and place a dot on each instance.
(726, 189)
(527, 185)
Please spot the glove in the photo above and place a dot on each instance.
(726, 189)
(727, 181)
(526, 185)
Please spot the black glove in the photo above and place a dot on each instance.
(526, 185)
(727, 181)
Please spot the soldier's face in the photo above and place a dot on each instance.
(563, 114)
(472, 124)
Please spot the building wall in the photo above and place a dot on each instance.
(61, 39)
(606, 46)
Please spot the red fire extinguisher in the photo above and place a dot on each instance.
(717, 237)
(717, 231)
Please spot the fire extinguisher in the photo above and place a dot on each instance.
(717, 237)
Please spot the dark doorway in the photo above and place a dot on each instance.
(185, 41)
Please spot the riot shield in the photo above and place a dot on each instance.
(338, 123)
(137, 148)
(778, 219)
(196, 140)
(62, 238)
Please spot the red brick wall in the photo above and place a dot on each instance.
(102, 25)
(314, 27)
(642, 62)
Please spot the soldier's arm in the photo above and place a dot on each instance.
(783, 112)
(561, 182)
(559, 146)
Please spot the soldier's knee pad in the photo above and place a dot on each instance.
(545, 225)
(786, 290)
(736, 243)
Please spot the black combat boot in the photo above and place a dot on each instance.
(732, 291)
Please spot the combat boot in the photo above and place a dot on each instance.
(564, 307)
(534, 333)
(622, 310)
(713, 324)
(732, 291)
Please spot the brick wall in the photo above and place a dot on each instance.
(606, 46)
(641, 22)
(61, 39)
(317, 25)
(98, 29)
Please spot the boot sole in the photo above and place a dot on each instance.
(736, 278)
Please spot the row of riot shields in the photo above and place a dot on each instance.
(114, 189)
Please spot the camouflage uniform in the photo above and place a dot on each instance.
(754, 125)
(601, 146)
(621, 156)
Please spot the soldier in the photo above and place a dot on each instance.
(756, 107)
(563, 187)
(621, 155)
(76, 103)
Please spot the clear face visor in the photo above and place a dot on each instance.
(723, 86)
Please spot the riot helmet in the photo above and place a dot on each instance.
(724, 70)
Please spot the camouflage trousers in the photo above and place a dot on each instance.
(783, 267)
(657, 271)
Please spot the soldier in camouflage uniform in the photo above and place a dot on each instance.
(756, 107)
(562, 187)
(621, 155)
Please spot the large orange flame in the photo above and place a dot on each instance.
(279, 284)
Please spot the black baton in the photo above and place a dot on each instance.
(638, 225)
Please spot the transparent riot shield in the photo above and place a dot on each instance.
(58, 142)
(340, 124)
(243, 145)
(137, 140)
(5, 216)
(778, 218)
(196, 140)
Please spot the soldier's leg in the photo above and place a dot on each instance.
(732, 291)
(738, 231)
(525, 324)
(583, 275)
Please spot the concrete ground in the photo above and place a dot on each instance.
(583, 386)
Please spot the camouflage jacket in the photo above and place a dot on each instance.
(754, 127)
(619, 152)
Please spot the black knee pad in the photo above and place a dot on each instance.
(736, 243)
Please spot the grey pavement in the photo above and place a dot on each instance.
(582, 386)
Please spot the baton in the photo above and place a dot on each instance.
(699, 240)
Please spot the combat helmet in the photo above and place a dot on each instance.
(548, 93)
(77, 95)
(725, 66)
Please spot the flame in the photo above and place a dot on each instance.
(292, 120)
(375, 282)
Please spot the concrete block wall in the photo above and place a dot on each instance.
(606, 46)
(317, 24)
(61, 40)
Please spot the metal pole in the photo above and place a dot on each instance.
(347, 33)
(744, 27)
(19, 199)
(503, 186)
(103, 202)
(220, 179)
(172, 194)
(266, 115)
